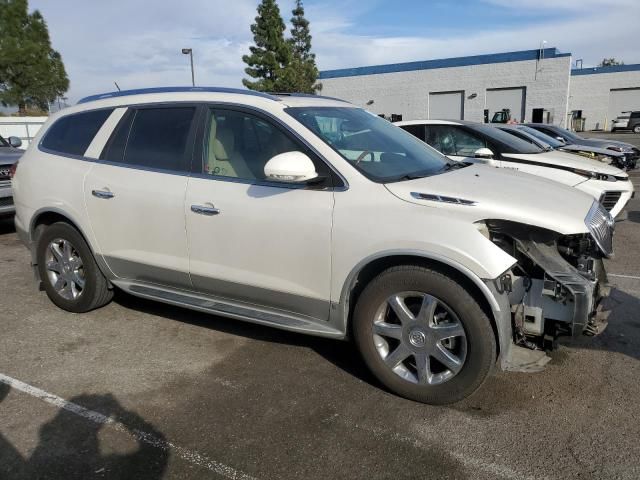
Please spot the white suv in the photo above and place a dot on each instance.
(309, 214)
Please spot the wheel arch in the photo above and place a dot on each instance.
(372, 266)
(49, 216)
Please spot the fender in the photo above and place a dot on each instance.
(339, 315)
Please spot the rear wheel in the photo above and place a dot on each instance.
(423, 335)
(68, 270)
(636, 129)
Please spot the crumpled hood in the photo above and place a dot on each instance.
(590, 148)
(604, 143)
(571, 160)
(10, 155)
(502, 194)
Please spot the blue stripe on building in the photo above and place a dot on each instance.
(612, 69)
(444, 63)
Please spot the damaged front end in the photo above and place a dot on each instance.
(559, 281)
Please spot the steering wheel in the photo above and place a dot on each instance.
(364, 154)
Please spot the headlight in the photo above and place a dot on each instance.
(601, 225)
(594, 175)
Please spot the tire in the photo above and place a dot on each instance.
(69, 273)
(636, 128)
(376, 323)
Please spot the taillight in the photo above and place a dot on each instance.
(12, 169)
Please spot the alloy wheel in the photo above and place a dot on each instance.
(65, 269)
(420, 338)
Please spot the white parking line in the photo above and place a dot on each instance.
(634, 277)
(188, 455)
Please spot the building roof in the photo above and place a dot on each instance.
(609, 69)
(444, 63)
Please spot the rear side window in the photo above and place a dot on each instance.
(73, 134)
(415, 130)
(152, 138)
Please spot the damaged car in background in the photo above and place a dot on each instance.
(614, 158)
(471, 142)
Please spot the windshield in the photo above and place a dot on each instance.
(508, 142)
(541, 136)
(378, 149)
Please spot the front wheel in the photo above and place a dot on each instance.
(68, 270)
(423, 335)
(636, 129)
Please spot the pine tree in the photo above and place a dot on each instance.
(31, 72)
(302, 72)
(271, 54)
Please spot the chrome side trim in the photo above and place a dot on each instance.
(236, 310)
(140, 272)
(271, 299)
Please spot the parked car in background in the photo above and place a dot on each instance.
(310, 214)
(481, 143)
(620, 123)
(562, 134)
(544, 141)
(634, 122)
(9, 155)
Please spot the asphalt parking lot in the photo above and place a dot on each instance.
(147, 391)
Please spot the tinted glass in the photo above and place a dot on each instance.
(453, 140)
(73, 134)
(3, 142)
(542, 136)
(415, 130)
(380, 150)
(506, 143)
(158, 138)
(239, 144)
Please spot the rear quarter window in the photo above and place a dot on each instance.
(73, 134)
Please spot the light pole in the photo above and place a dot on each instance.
(189, 51)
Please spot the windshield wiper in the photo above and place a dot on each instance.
(454, 166)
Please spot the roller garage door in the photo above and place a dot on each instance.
(446, 105)
(511, 98)
(623, 100)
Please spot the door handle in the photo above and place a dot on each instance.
(204, 210)
(106, 194)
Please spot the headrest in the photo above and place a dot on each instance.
(224, 144)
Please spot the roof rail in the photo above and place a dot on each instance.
(310, 95)
(141, 91)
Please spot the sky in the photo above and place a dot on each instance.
(137, 43)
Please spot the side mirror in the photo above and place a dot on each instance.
(15, 142)
(290, 167)
(484, 153)
(560, 139)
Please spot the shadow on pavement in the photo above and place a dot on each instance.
(342, 354)
(7, 225)
(69, 446)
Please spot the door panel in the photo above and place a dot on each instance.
(267, 245)
(251, 240)
(135, 197)
(140, 231)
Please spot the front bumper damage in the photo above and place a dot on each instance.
(556, 288)
(582, 311)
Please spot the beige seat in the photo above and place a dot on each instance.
(222, 158)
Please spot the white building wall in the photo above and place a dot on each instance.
(407, 93)
(590, 93)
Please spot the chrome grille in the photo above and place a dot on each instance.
(610, 199)
(6, 201)
(601, 224)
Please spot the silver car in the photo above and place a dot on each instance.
(9, 155)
